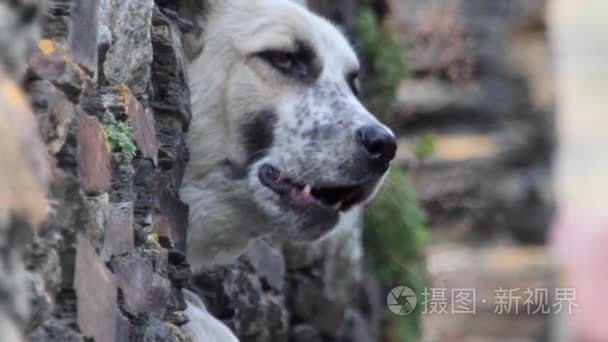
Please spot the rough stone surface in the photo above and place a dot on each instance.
(129, 22)
(144, 131)
(96, 293)
(119, 233)
(95, 270)
(53, 63)
(169, 80)
(304, 333)
(134, 275)
(236, 295)
(268, 263)
(83, 33)
(93, 156)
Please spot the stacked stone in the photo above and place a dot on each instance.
(105, 255)
(296, 293)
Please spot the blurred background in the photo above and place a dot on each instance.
(499, 107)
(493, 215)
(580, 230)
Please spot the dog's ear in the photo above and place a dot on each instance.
(195, 11)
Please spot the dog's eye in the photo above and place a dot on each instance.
(353, 82)
(281, 60)
(285, 62)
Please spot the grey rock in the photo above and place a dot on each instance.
(136, 279)
(171, 94)
(143, 124)
(304, 333)
(123, 329)
(122, 181)
(119, 235)
(38, 299)
(53, 331)
(356, 328)
(235, 295)
(268, 263)
(93, 156)
(158, 331)
(169, 205)
(310, 303)
(96, 290)
(104, 33)
(130, 22)
(58, 67)
(84, 33)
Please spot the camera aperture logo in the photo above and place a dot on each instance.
(402, 300)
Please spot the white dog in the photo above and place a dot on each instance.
(279, 142)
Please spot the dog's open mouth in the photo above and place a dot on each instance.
(335, 198)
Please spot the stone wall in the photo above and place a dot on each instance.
(105, 255)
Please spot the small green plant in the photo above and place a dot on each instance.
(120, 138)
(425, 148)
(395, 237)
(385, 57)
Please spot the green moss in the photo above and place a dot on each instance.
(395, 237)
(120, 138)
(385, 59)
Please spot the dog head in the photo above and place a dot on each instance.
(277, 114)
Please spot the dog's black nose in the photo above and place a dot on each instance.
(379, 144)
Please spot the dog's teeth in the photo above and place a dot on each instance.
(307, 189)
(337, 206)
